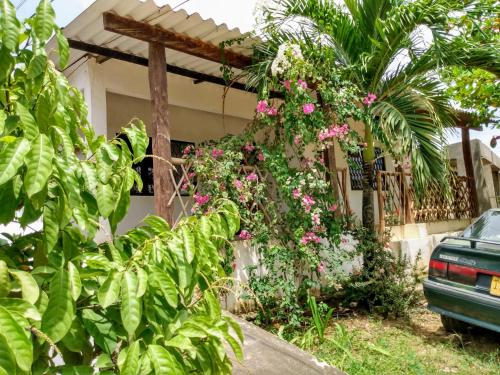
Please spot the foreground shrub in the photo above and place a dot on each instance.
(141, 303)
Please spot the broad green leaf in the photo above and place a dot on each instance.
(181, 342)
(29, 287)
(162, 281)
(67, 145)
(131, 364)
(235, 346)
(3, 117)
(142, 278)
(39, 165)
(101, 329)
(58, 317)
(105, 199)
(158, 224)
(63, 47)
(189, 242)
(176, 246)
(138, 138)
(21, 307)
(163, 361)
(12, 158)
(110, 290)
(236, 327)
(121, 208)
(90, 176)
(28, 122)
(9, 25)
(131, 307)
(44, 20)
(4, 279)
(37, 66)
(7, 359)
(10, 203)
(232, 216)
(76, 338)
(18, 339)
(74, 277)
(50, 226)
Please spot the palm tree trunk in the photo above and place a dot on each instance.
(368, 210)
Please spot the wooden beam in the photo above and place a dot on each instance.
(169, 39)
(469, 171)
(162, 163)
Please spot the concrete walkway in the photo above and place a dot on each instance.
(266, 354)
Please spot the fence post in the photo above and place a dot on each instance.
(380, 200)
(407, 200)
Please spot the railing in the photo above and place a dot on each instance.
(397, 204)
(182, 199)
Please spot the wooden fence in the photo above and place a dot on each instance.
(398, 205)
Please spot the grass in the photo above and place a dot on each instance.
(363, 345)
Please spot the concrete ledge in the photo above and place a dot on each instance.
(266, 354)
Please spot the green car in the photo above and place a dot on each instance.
(464, 276)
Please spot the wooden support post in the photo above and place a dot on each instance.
(469, 171)
(381, 209)
(162, 163)
(331, 166)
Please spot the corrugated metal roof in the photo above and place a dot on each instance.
(88, 27)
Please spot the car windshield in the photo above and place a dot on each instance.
(487, 227)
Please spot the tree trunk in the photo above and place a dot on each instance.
(469, 171)
(368, 163)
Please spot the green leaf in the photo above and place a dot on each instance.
(4, 279)
(110, 290)
(37, 66)
(7, 359)
(101, 329)
(12, 158)
(131, 364)
(44, 20)
(29, 287)
(74, 277)
(235, 326)
(90, 176)
(162, 281)
(105, 199)
(50, 226)
(63, 47)
(18, 339)
(189, 242)
(21, 307)
(76, 338)
(121, 208)
(158, 224)
(142, 278)
(60, 311)
(39, 165)
(235, 346)
(131, 308)
(28, 122)
(9, 25)
(3, 117)
(67, 144)
(137, 135)
(163, 361)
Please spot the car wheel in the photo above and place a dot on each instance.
(453, 325)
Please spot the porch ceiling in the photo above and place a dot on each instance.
(88, 27)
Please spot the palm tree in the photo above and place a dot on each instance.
(392, 49)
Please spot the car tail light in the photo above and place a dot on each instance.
(462, 274)
(438, 268)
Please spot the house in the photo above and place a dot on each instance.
(119, 52)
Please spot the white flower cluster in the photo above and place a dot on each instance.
(287, 54)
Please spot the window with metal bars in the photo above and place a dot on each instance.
(355, 161)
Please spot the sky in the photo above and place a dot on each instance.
(235, 13)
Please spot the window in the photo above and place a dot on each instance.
(145, 167)
(355, 162)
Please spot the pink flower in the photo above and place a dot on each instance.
(296, 193)
(321, 267)
(272, 111)
(369, 99)
(316, 219)
(216, 153)
(242, 198)
(191, 175)
(260, 156)
(262, 106)
(302, 84)
(238, 184)
(297, 139)
(286, 84)
(187, 150)
(307, 202)
(309, 237)
(252, 177)
(198, 152)
(308, 108)
(333, 208)
(334, 131)
(249, 147)
(245, 235)
(201, 200)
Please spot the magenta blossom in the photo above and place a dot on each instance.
(287, 84)
(297, 139)
(321, 267)
(302, 84)
(309, 237)
(308, 108)
(238, 184)
(242, 198)
(316, 219)
(369, 99)
(216, 153)
(307, 202)
(201, 200)
(191, 175)
(333, 208)
(198, 152)
(187, 150)
(334, 131)
(252, 177)
(296, 193)
(249, 147)
(260, 156)
(262, 106)
(272, 111)
(245, 235)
